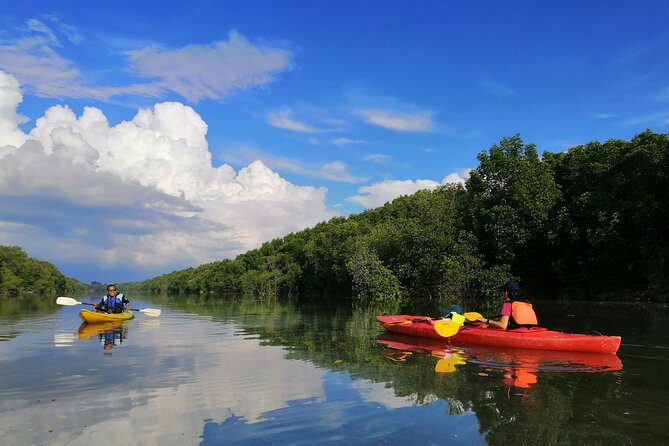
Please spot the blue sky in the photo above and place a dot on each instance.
(137, 138)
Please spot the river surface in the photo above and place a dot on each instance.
(241, 372)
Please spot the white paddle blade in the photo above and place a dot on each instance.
(62, 300)
(151, 312)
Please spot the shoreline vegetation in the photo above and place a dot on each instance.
(20, 274)
(588, 223)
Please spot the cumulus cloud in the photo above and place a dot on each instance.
(380, 193)
(419, 121)
(385, 191)
(457, 177)
(10, 97)
(142, 192)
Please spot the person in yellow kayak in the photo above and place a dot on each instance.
(516, 311)
(113, 301)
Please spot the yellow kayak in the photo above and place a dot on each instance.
(94, 317)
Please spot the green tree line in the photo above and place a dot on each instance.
(590, 222)
(22, 274)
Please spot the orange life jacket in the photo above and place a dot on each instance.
(523, 314)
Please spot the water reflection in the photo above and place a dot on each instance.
(109, 334)
(520, 366)
(211, 371)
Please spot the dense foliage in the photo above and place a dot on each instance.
(591, 222)
(22, 274)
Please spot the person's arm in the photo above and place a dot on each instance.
(487, 322)
(502, 323)
(505, 314)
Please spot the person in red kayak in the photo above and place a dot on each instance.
(516, 311)
(113, 302)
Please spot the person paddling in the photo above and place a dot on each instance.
(113, 302)
(516, 311)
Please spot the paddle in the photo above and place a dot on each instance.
(62, 300)
(473, 315)
(404, 322)
(446, 328)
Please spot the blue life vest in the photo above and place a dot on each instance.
(115, 302)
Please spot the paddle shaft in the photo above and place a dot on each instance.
(474, 316)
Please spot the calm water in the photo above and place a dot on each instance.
(212, 372)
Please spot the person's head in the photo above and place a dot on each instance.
(108, 345)
(111, 289)
(510, 291)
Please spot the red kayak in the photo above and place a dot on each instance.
(537, 338)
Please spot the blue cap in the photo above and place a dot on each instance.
(510, 287)
(452, 309)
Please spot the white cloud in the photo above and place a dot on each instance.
(143, 192)
(10, 97)
(346, 141)
(385, 191)
(457, 177)
(44, 72)
(212, 71)
(603, 115)
(380, 193)
(195, 72)
(334, 170)
(420, 121)
(378, 158)
(284, 119)
(40, 28)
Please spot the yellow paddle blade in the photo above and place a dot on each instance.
(446, 328)
(473, 315)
